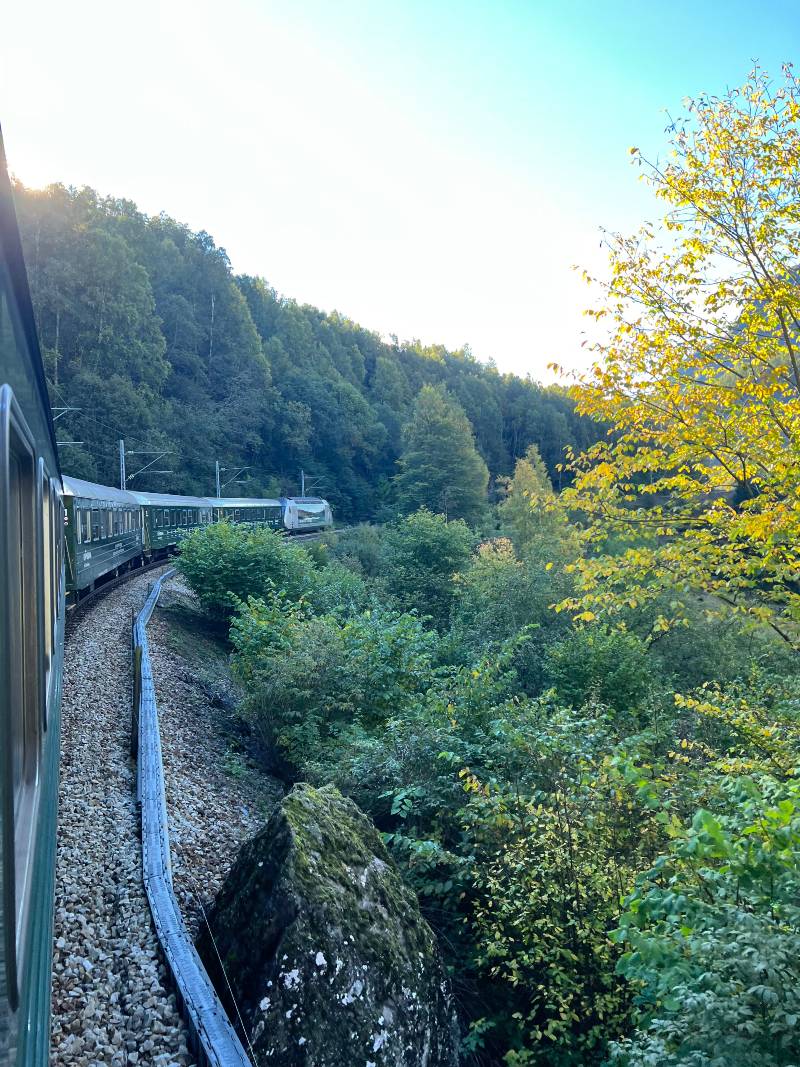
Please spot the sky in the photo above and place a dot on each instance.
(433, 169)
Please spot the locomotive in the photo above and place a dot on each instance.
(60, 538)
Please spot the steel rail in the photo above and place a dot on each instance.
(215, 1040)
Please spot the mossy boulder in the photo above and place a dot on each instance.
(329, 959)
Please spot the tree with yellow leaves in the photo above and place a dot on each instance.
(697, 484)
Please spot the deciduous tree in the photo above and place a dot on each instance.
(700, 376)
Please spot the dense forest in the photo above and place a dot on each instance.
(576, 726)
(148, 336)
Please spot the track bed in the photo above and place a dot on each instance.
(111, 1002)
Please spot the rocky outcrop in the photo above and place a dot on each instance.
(329, 960)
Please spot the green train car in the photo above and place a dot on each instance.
(249, 510)
(104, 534)
(167, 518)
(31, 646)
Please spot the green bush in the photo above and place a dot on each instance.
(496, 597)
(311, 678)
(337, 590)
(358, 547)
(419, 558)
(712, 937)
(225, 562)
(608, 667)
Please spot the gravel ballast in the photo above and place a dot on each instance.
(215, 800)
(111, 999)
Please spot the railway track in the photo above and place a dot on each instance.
(112, 1001)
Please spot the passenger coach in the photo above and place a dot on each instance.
(31, 643)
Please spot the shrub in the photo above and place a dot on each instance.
(223, 562)
(609, 667)
(309, 678)
(498, 596)
(337, 590)
(420, 556)
(713, 937)
(358, 548)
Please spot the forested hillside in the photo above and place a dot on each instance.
(146, 330)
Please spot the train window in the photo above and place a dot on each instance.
(78, 525)
(87, 525)
(47, 567)
(55, 531)
(185, 518)
(95, 519)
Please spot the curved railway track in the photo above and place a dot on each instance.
(112, 1001)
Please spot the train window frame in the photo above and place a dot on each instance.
(20, 646)
(56, 533)
(44, 546)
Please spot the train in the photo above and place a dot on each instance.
(60, 538)
(109, 531)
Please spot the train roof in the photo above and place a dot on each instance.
(171, 500)
(77, 487)
(243, 502)
(23, 369)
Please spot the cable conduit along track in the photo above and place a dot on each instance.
(217, 1044)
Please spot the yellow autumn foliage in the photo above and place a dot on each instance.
(697, 484)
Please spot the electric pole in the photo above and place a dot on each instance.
(122, 478)
(226, 470)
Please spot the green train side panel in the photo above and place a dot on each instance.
(33, 1015)
(160, 538)
(91, 560)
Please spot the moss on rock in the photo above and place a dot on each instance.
(330, 961)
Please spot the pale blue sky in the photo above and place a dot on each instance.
(430, 169)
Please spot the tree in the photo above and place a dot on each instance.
(440, 467)
(420, 556)
(530, 509)
(701, 373)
